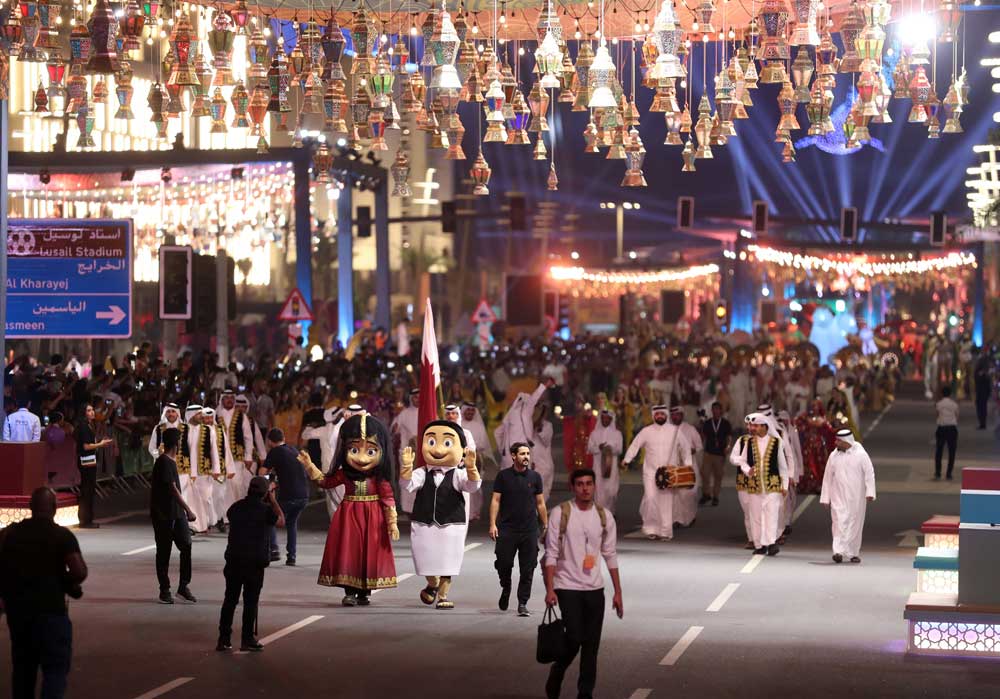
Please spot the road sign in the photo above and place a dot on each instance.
(483, 313)
(295, 308)
(69, 278)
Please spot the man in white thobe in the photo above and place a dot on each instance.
(474, 500)
(259, 448)
(778, 429)
(237, 446)
(326, 435)
(796, 466)
(848, 487)
(605, 444)
(764, 479)
(170, 418)
(518, 423)
(405, 428)
(203, 447)
(472, 422)
(665, 446)
(686, 500)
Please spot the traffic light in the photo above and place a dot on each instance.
(364, 221)
(175, 282)
(939, 228)
(759, 226)
(722, 315)
(562, 317)
(849, 224)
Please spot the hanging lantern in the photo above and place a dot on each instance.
(703, 129)
(850, 29)
(950, 19)
(826, 54)
(240, 99)
(279, 81)
(31, 28)
(444, 48)
(480, 174)
(181, 38)
(705, 13)
(802, 71)
(48, 38)
(400, 170)
(517, 128)
(867, 86)
(100, 92)
(79, 50)
(552, 182)
(920, 93)
(335, 107)
(217, 110)
(540, 152)
(257, 52)
(467, 63)
(882, 96)
(56, 68)
(805, 23)
(155, 100)
(584, 59)
(952, 104)
(312, 95)
(201, 91)
(258, 111)
(104, 44)
(635, 154)
(933, 122)
(365, 37)
(124, 91)
(774, 18)
(600, 77)
(688, 155)
(901, 79)
(361, 107)
(380, 83)
(538, 102)
(333, 43)
(427, 31)
(786, 104)
(495, 131)
(322, 161)
(725, 106)
(788, 152)
(131, 27)
(818, 109)
(41, 100)
(567, 78)
(85, 122)
(220, 41)
(12, 32)
(667, 36)
(548, 58)
(241, 16)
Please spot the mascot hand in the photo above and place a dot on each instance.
(312, 473)
(470, 464)
(406, 470)
(393, 531)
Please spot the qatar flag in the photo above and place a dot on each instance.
(430, 378)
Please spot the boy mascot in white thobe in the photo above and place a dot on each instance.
(848, 487)
(439, 521)
(665, 446)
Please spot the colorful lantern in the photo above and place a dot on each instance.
(400, 171)
(104, 44)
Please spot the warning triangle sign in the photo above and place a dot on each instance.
(295, 308)
(483, 313)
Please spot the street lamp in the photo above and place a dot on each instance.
(620, 223)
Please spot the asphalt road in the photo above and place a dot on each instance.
(782, 626)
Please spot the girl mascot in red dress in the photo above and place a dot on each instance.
(358, 554)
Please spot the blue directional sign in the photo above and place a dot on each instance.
(69, 278)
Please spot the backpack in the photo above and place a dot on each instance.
(565, 508)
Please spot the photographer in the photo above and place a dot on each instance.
(40, 563)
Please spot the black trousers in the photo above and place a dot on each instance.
(246, 578)
(40, 641)
(88, 486)
(982, 406)
(583, 614)
(945, 435)
(525, 547)
(169, 533)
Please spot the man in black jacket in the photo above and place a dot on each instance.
(247, 555)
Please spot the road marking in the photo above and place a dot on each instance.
(878, 419)
(752, 563)
(723, 597)
(802, 507)
(640, 694)
(139, 550)
(117, 518)
(289, 629)
(677, 651)
(472, 546)
(164, 688)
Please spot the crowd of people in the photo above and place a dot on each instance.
(234, 448)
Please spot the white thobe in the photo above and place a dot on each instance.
(793, 456)
(606, 492)
(657, 507)
(439, 549)
(327, 436)
(518, 424)
(154, 448)
(763, 509)
(686, 500)
(739, 396)
(847, 483)
(541, 457)
(405, 425)
(239, 484)
(196, 489)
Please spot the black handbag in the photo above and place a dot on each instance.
(551, 638)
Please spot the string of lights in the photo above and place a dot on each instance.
(579, 274)
(863, 265)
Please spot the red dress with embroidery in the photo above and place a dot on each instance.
(817, 442)
(358, 551)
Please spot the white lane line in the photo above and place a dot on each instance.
(399, 579)
(640, 694)
(139, 550)
(118, 518)
(752, 564)
(289, 629)
(472, 546)
(802, 507)
(877, 420)
(164, 688)
(723, 597)
(682, 644)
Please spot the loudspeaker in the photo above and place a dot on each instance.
(523, 300)
(939, 228)
(685, 212)
(671, 306)
(759, 226)
(849, 224)
(518, 213)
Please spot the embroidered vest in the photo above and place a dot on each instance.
(183, 458)
(220, 439)
(236, 435)
(204, 455)
(439, 504)
(766, 478)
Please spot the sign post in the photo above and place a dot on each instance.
(295, 310)
(69, 278)
(483, 317)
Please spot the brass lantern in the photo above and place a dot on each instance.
(41, 100)
(635, 154)
(365, 36)
(258, 111)
(548, 57)
(104, 44)
(703, 129)
(181, 39)
(124, 92)
(131, 27)
(241, 16)
(920, 93)
(401, 174)
(600, 78)
(705, 13)
(322, 161)
(217, 110)
(240, 99)
(200, 105)
(257, 52)
(787, 104)
(444, 49)
(805, 23)
(850, 29)
(279, 81)
(802, 71)
(85, 122)
(31, 30)
(333, 43)
(774, 18)
(220, 41)
(495, 131)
